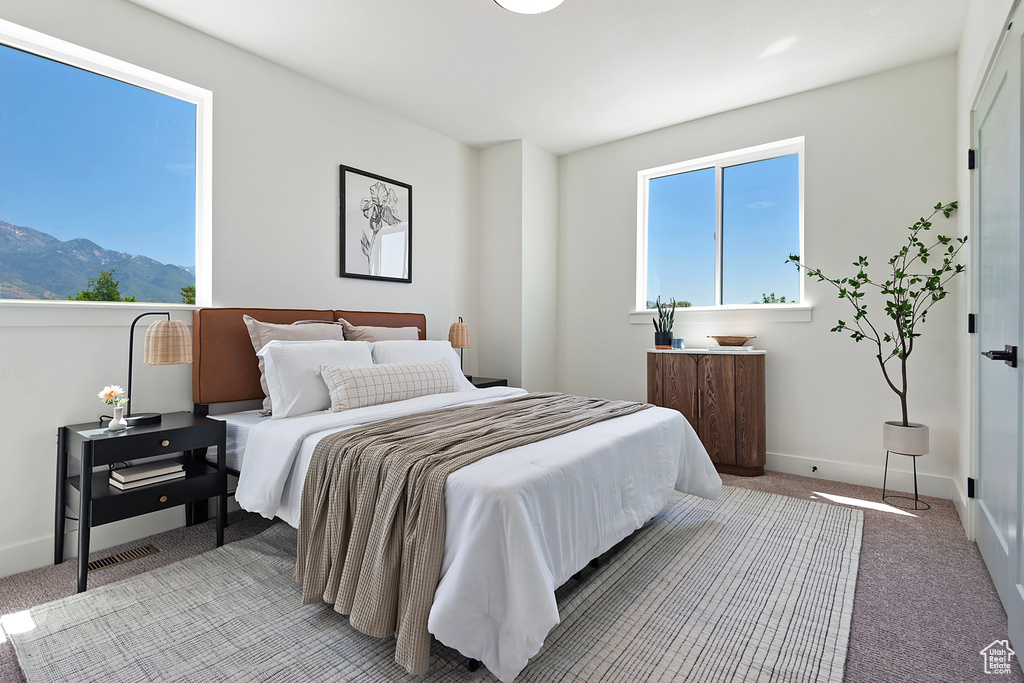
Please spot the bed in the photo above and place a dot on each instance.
(519, 523)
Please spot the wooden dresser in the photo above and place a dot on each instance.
(722, 395)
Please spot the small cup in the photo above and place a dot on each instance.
(677, 343)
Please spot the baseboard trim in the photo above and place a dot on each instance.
(964, 508)
(38, 552)
(864, 475)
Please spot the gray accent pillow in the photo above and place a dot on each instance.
(368, 333)
(261, 334)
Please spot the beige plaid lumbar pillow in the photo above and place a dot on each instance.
(358, 386)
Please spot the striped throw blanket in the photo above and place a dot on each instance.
(372, 526)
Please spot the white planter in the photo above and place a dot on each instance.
(912, 440)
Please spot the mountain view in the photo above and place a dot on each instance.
(34, 265)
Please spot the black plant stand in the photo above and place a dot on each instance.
(918, 503)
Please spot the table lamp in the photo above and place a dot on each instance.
(458, 335)
(168, 342)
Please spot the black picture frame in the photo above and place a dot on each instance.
(375, 211)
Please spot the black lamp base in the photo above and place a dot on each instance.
(142, 419)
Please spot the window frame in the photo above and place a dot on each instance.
(719, 162)
(42, 45)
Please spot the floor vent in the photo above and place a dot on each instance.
(123, 556)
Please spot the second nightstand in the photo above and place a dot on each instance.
(97, 502)
(484, 382)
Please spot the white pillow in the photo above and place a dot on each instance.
(293, 372)
(354, 386)
(261, 334)
(405, 351)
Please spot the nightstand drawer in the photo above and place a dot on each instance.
(146, 444)
(173, 441)
(485, 382)
(110, 504)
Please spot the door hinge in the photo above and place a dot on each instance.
(970, 160)
(972, 323)
(970, 487)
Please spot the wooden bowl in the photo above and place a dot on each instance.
(730, 341)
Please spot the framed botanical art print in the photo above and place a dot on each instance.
(376, 227)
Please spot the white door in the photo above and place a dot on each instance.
(997, 122)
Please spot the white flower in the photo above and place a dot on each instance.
(113, 395)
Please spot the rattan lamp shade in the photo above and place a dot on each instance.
(168, 342)
(458, 335)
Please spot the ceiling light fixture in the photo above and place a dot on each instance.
(529, 6)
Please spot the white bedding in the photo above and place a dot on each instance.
(519, 523)
(238, 426)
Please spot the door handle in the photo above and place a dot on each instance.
(1008, 356)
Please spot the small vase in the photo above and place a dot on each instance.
(117, 423)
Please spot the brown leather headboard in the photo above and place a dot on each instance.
(224, 366)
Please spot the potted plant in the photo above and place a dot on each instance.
(915, 281)
(663, 323)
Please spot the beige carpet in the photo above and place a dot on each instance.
(925, 604)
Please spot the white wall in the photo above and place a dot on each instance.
(498, 339)
(518, 248)
(278, 141)
(983, 27)
(879, 152)
(540, 268)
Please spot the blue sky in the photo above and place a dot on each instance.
(89, 156)
(760, 229)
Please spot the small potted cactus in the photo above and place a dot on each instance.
(663, 324)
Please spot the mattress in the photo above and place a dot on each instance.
(238, 426)
(519, 523)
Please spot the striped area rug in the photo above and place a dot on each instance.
(753, 587)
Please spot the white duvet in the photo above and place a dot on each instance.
(519, 523)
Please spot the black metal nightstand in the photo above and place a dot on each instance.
(97, 502)
(484, 382)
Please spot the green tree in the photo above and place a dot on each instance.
(188, 294)
(908, 292)
(772, 299)
(679, 304)
(102, 288)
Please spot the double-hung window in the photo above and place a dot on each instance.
(716, 231)
(105, 185)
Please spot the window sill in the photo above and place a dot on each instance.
(60, 313)
(761, 313)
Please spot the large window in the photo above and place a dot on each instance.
(716, 231)
(103, 189)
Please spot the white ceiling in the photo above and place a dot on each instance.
(585, 73)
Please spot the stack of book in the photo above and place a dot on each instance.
(150, 473)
